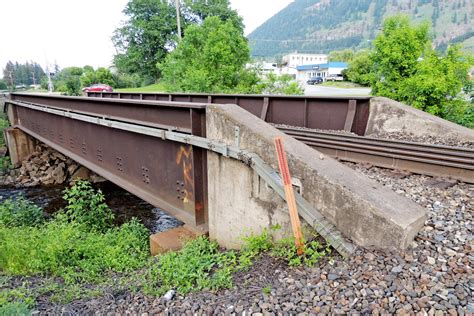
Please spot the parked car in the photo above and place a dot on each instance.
(335, 77)
(98, 88)
(315, 80)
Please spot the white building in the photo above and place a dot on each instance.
(272, 68)
(294, 60)
(305, 72)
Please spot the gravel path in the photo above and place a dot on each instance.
(434, 276)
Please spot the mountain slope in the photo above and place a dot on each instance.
(325, 25)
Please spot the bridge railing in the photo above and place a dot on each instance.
(329, 113)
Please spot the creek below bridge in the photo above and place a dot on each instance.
(124, 204)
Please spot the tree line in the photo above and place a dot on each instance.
(16, 74)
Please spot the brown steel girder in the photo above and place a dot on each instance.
(169, 175)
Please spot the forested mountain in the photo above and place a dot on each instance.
(326, 25)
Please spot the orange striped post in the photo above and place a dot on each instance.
(290, 195)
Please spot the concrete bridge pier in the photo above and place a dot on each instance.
(20, 145)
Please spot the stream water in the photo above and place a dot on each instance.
(124, 204)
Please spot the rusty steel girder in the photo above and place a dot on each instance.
(169, 175)
(332, 113)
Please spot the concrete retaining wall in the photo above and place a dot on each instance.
(388, 116)
(240, 202)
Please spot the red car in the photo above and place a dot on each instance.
(99, 87)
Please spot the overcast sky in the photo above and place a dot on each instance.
(77, 33)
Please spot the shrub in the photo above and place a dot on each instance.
(87, 207)
(20, 212)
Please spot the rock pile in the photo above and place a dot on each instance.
(46, 166)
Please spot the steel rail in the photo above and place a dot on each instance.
(326, 229)
(435, 160)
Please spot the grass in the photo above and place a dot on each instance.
(67, 258)
(342, 84)
(157, 87)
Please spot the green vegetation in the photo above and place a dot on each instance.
(101, 75)
(3, 85)
(323, 26)
(3, 124)
(360, 68)
(210, 58)
(20, 212)
(403, 66)
(345, 55)
(273, 84)
(67, 246)
(157, 87)
(15, 74)
(199, 265)
(144, 41)
(87, 207)
(68, 259)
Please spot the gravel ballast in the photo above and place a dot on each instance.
(433, 277)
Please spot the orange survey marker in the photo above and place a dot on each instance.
(290, 195)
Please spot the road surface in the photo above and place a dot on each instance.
(318, 90)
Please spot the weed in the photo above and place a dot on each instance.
(20, 212)
(3, 124)
(14, 308)
(313, 252)
(284, 248)
(267, 290)
(198, 265)
(16, 301)
(88, 207)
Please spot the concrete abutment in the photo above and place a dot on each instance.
(241, 203)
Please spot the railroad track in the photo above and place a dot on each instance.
(434, 160)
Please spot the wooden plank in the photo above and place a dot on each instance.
(290, 195)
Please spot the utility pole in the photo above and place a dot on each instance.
(178, 19)
(12, 85)
(34, 78)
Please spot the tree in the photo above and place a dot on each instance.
(151, 31)
(68, 80)
(437, 82)
(196, 11)
(146, 37)
(9, 74)
(3, 85)
(210, 58)
(345, 55)
(407, 69)
(101, 75)
(396, 53)
(360, 68)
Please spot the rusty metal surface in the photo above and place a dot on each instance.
(175, 116)
(304, 111)
(435, 160)
(169, 175)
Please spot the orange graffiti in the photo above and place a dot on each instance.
(184, 158)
